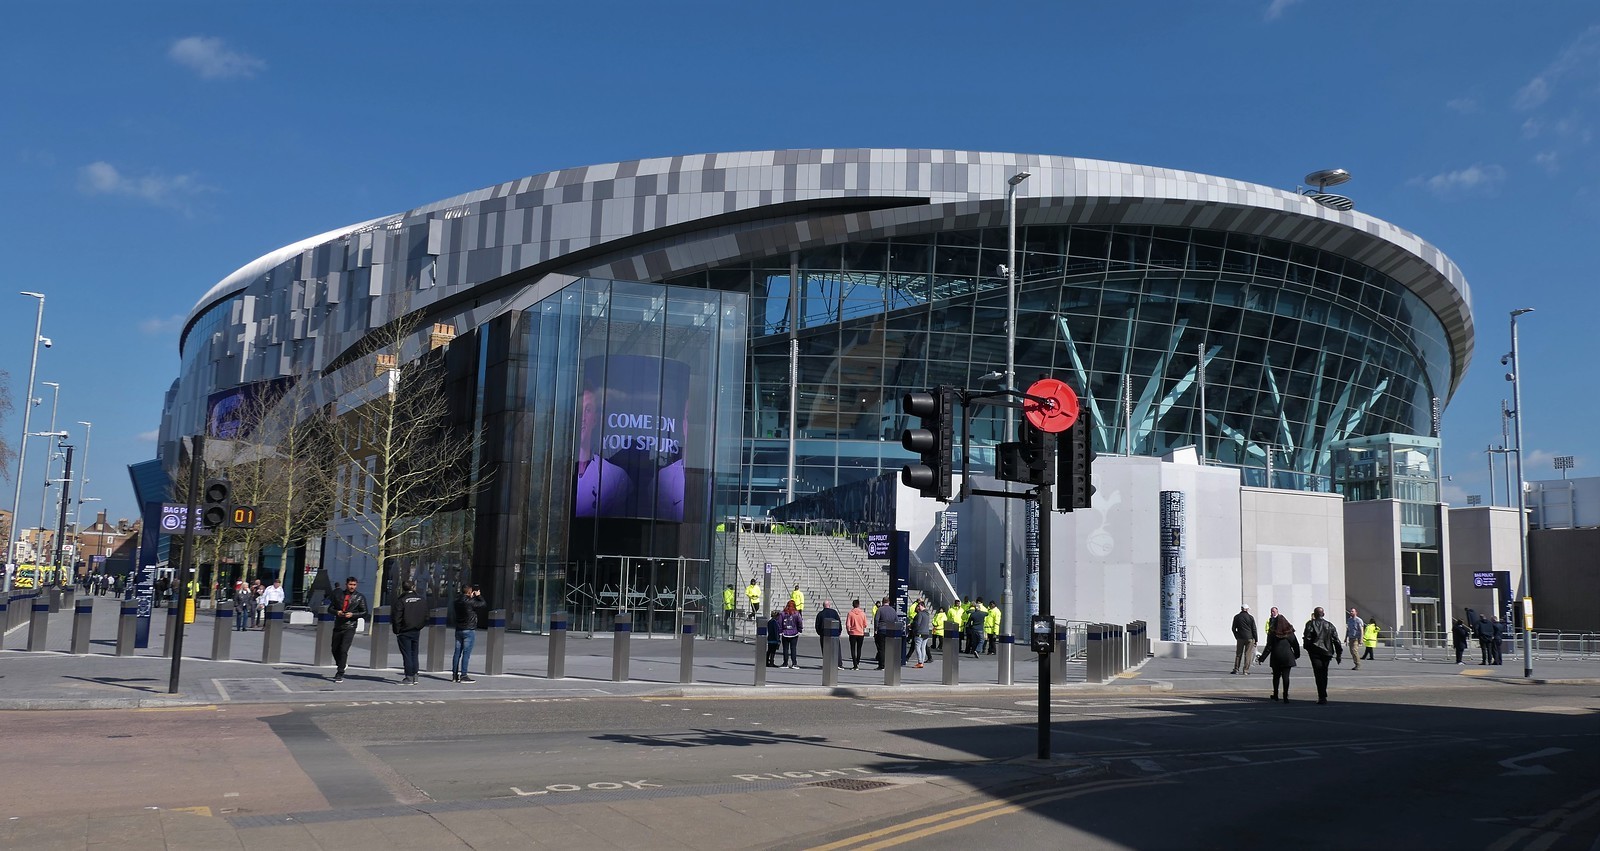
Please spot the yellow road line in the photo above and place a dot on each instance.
(929, 825)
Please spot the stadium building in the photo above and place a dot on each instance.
(649, 350)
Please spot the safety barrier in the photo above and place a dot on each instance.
(222, 631)
(82, 615)
(322, 654)
(272, 635)
(127, 627)
(830, 652)
(951, 654)
(761, 653)
(436, 641)
(891, 656)
(378, 649)
(621, 635)
(556, 665)
(494, 655)
(686, 650)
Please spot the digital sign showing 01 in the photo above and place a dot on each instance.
(878, 545)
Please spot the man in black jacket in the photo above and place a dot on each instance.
(468, 607)
(1321, 641)
(348, 607)
(1244, 637)
(410, 616)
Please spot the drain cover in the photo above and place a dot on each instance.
(850, 784)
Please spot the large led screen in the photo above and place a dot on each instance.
(633, 419)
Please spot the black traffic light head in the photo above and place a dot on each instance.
(1076, 460)
(1030, 460)
(933, 441)
(216, 501)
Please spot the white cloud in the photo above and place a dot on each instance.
(212, 60)
(1474, 178)
(1465, 106)
(176, 192)
(1550, 161)
(157, 325)
(150, 436)
(1278, 7)
(1533, 95)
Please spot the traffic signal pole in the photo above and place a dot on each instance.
(186, 566)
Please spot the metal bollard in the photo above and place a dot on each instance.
(830, 652)
(494, 658)
(621, 633)
(892, 653)
(69, 596)
(53, 595)
(322, 655)
(557, 662)
(761, 652)
(686, 650)
(378, 656)
(1058, 664)
(272, 635)
(171, 636)
(127, 627)
(436, 640)
(39, 625)
(1005, 673)
(5, 617)
(222, 631)
(952, 654)
(82, 615)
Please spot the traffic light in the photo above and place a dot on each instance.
(1028, 460)
(1076, 460)
(934, 441)
(216, 503)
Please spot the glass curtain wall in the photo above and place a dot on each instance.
(1297, 347)
(635, 414)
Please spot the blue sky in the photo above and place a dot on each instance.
(147, 150)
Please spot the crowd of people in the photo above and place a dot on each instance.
(922, 627)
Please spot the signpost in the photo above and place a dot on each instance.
(878, 545)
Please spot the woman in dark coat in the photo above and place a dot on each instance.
(1283, 648)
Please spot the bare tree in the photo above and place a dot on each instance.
(403, 463)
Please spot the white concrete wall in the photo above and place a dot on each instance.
(1372, 563)
(1564, 503)
(1293, 552)
(1482, 537)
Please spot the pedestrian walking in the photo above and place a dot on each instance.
(1321, 641)
(271, 594)
(1244, 640)
(772, 637)
(243, 603)
(469, 605)
(752, 593)
(349, 606)
(974, 625)
(798, 598)
(940, 618)
(1498, 632)
(789, 626)
(855, 625)
(991, 628)
(1369, 639)
(410, 616)
(1458, 637)
(921, 625)
(728, 598)
(1281, 651)
(826, 614)
(1352, 637)
(1483, 630)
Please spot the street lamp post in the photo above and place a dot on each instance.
(1006, 602)
(50, 451)
(1515, 377)
(83, 478)
(22, 447)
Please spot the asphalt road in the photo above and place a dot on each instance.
(1495, 765)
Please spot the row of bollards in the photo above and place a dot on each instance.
(1111, 648)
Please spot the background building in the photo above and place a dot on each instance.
(757, 316)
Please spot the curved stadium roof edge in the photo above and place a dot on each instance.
(683, 190)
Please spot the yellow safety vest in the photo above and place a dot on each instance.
(753, 591)
(727, 599)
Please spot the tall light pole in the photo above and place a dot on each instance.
(1515, 377)
(49, 455)
(1006, 607)
(22, 447)
(83, 478)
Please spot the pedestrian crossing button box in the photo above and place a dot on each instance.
(1043, 633)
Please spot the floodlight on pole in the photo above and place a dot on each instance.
(22, 448)
(83, 476)
(1515, 377)
(49, 455)
(1006, 607)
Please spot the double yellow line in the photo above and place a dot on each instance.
(917, 829)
